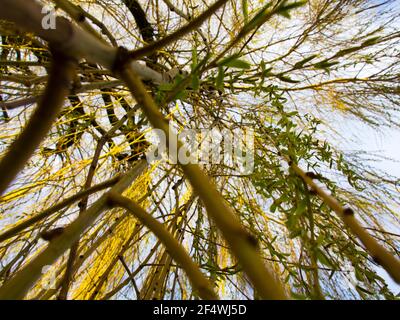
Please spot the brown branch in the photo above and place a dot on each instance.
(131, 277)
(48, 212)
(241, 242)
(380, 254)
(23, 147)
(175, 249)
(17, 287)
(192, 25)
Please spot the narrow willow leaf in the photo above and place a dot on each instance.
(284, 9)
(245, 9)
(220, 78)
(234, 62)
(258, 19)
(370, 41)
(304, 61)
(325, 64)
(287, 79)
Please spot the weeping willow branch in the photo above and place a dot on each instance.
(80, 15)
(380, 255)
(192, 25)
(98, 85)
(241, 242)
(48, 212)
(68, 38)
(17, 287)
(175, 249)
(23, 147)
(144, 263)
(83, 203)
(130, 275)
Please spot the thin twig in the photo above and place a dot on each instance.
(241, 242)
(17, 287)
(380, 254)
(23, 147)
(175, 249)
(192, 25)
(48, 212)
(128, 271)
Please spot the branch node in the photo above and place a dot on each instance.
(121, 59)
(51, 234)
(348, 212)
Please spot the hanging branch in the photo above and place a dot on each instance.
(111, 265)
(23, 147)
(17, 287)
(379, 254)
(130, 275)
(175, 249)
(48, 212)
(83, 203)
(192, 25)
(242, 243)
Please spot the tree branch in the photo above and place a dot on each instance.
(241, 242)
(17, 287)
(380, 255)
(48, 212)
(23, 147)
(175, 249)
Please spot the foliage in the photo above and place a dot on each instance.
(289, 70)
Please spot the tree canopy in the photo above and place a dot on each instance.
(84, 87)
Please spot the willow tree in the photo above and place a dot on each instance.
(85, 215)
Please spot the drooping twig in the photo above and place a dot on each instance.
(128, 271)
(380, 255)
(22, 148)
(83, 204)
(48, 212)
(175, 249)
(17, 287)
(241, 242)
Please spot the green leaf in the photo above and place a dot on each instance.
(301, 207)
(165, 87)
(324, 259)
(287, 79)
(283, 10)
(245, 9)
(266, 72)
(194, 59)
(234, 62)
(362, 290)
(195, 82)
(304, 61)
(258, 19)
(343, 52)
(370, 41)
(220, 79)
(359, 275)
(325, 64)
